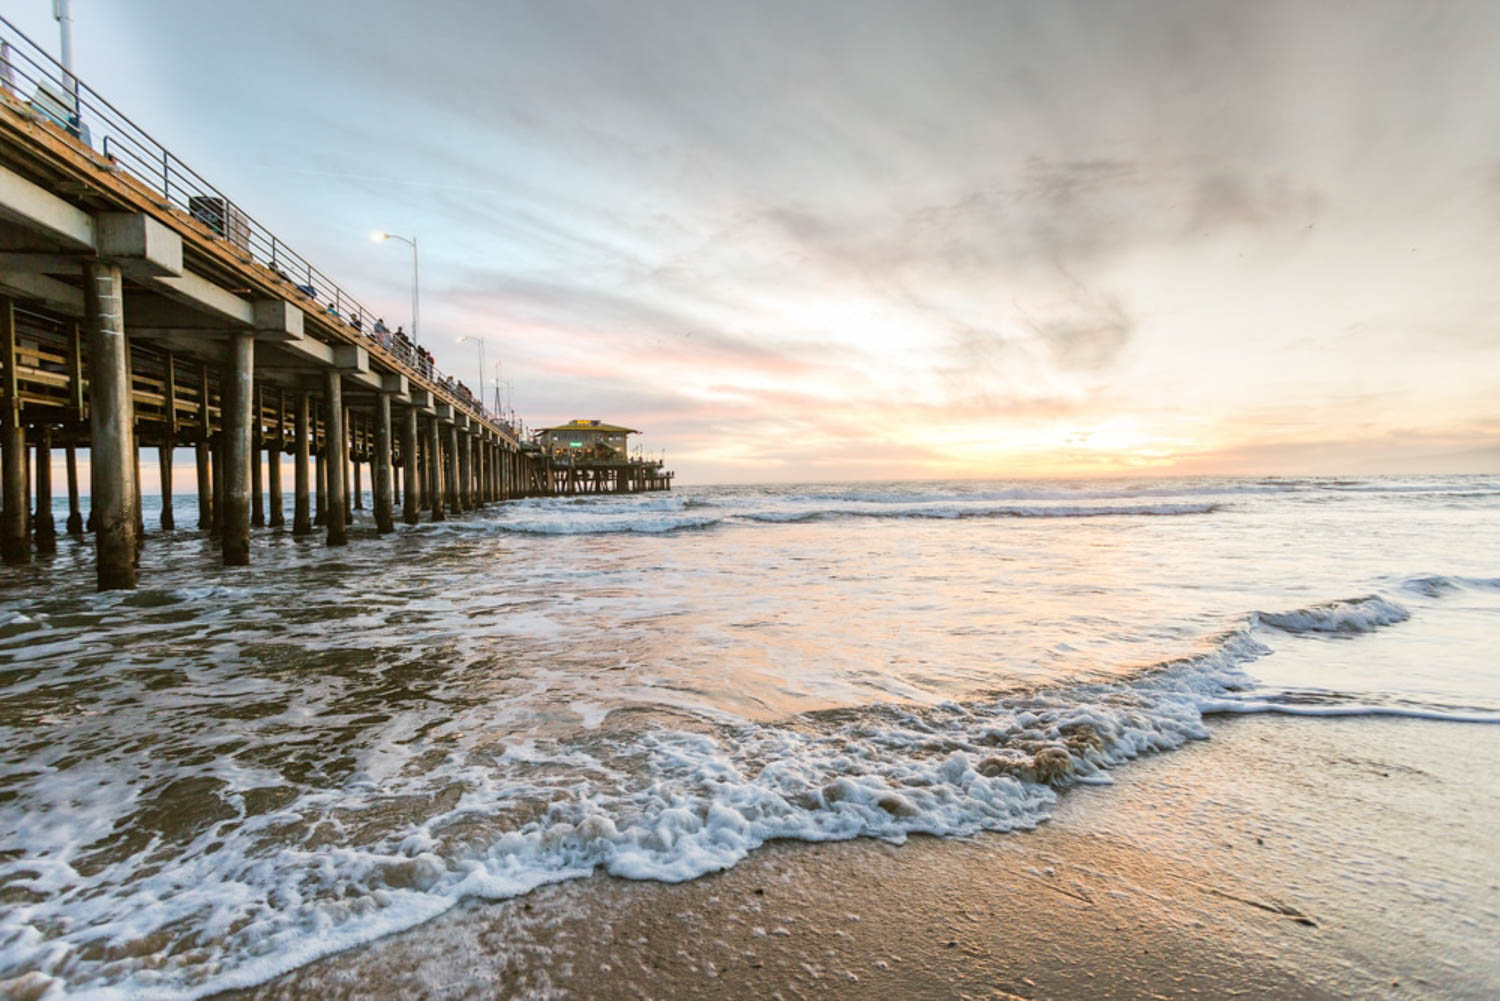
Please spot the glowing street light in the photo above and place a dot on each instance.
(380, 236)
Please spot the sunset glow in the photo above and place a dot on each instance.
(1058, 240)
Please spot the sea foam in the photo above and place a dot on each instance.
(243, 903)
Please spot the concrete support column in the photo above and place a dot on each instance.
(320, 495)
(481, 472)
(201, 449)
(461, 457)
(273, 470)
(43, 527)
(112, 486)
(435, 468)
(380, 469)
(337, 449)
(344, 453)
(239, 448)
(301, 515)
(217, 469)
(359, 487)
(205, 486)
(257, 451)
(14, 545)
(13, 537)
(75, 513)
(450, 468)
(409, 494)
(164, 465)
(140, 516)
(424, 472)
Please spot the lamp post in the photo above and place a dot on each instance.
(469, 339)
(62, 12)
(380, 236)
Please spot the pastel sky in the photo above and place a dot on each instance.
(797, 241)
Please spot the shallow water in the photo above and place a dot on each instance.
(227, 773)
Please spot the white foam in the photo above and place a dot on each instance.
(243, 900)
(1355, 615)
(575, 519)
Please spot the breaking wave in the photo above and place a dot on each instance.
(1355, 615)
(1436, 586)
(657, 519)
(264, 888)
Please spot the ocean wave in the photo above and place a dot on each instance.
(651, 523)
(1436, 586)
(248, 897)
(654, 521)
(1081, 494)
(1324, 703)
(1354, 615)
(953, 511)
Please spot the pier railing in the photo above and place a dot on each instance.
(32, 79)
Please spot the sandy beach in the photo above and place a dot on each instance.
(1283, 858)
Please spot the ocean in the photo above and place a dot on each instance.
(226, 774)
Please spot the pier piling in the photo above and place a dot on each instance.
(44, 528)
(333, 444)
(13, 535)
(435, 469)
(257, 480)
(75, 514)
(409, 495)
(112, 455)
(450, 467)
(13, 541)
(164, 465)
(238, 432)
(320, 498)
(277, 514)
(301, 515)
(381, 469)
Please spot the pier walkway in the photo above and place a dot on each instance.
(142, 307)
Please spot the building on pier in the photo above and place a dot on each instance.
(593, 457)
(586, 441)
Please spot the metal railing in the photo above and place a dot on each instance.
(35, 82)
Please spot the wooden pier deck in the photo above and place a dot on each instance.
(140, 307)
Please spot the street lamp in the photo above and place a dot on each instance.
(468, 339)
(380, 236)
(62, 13)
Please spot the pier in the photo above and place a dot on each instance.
(141, 308)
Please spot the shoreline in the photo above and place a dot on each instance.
(1285, 857)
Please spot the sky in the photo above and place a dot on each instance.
(865, 240)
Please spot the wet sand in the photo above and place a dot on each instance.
(1285, 858)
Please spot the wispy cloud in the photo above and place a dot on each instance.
(870, 238)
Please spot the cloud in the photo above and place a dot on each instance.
(1087, 332)
(850, 229)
